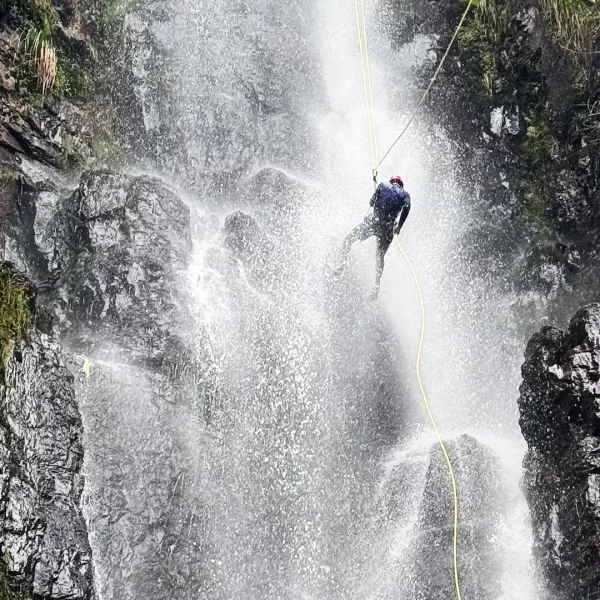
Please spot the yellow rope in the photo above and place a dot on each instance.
(434, 424)
(361, 24)
(433, 80)
(366, 69)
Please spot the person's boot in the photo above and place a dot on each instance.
(374, 293)
(339, 270)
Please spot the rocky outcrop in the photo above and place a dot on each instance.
(47, 135)
(476, 469)
(108, 253)
(32, 154)
(420, 485)
(121, 245)
(45, 139)
(559, 404)
(148, 496)
(43, 536)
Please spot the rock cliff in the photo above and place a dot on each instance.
(559, 402)
(43, 536)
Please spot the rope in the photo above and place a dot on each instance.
(433, 80)
(365, 63)
(361, 24)
(434, 425)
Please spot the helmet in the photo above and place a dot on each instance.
(397, 179)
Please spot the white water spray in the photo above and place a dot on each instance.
(315, 477)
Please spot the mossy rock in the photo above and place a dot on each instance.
(17, 309)
(9, 591)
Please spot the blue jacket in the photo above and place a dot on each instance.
(390, 202)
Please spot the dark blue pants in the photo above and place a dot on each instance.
(382, 230)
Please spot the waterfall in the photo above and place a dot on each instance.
(316, 475)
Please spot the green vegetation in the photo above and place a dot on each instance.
(493, 16)
(107, 152)
(49, 61)
(15, 315)
(72, 81)
(8, 591)
(40, 52)
(53, 62)
(476, 50)
(571, 29)
(116, 10)
(539, 144)
(36, 22)
(575, 22)
(538, 181)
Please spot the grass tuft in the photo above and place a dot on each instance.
(576, 22)
(38, 47)
(494, 17)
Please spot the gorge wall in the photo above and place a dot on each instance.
(519, 95)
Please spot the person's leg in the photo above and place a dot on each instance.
(384, 238)
(360, 233)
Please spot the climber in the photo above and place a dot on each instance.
(390, 207)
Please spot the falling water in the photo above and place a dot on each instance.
(317, 476)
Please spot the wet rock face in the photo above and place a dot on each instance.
(476, 470)
(428, 573)
(36, 144)
(121, 244)
(259, 119)
(529, 141)
(43, 536)
(148, 498)
(560, 419)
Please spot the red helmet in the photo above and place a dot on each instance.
(397, 179)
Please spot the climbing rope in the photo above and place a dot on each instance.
(364, 56)
(361, 25)
(426, 93)
(434, 425)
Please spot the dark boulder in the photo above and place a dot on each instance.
(249, 243)
(560, 419)
(476, 470)
(417, 499)
(244, 236)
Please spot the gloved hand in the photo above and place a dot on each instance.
(396, 230)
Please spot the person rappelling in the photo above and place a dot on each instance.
(390, 207)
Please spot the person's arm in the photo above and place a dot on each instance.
(374, 196)
(402, 215)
